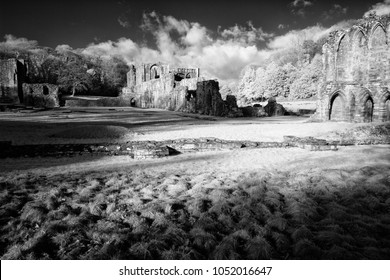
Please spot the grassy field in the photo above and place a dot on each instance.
(240, 204)
(201, 207)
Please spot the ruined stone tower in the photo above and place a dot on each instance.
(357, 73)
(12, 76)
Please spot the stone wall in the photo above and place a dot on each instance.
(357, 73)
(12, 75)
(41, 95)
(178, 89)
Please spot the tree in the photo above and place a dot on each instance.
(309, 77)
(112, 74)
(74, 77)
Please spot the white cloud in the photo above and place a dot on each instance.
(221, 55)
(299, 7)
(380, 9)
(301, 3)
(295, 38)
(123, 22)
(245, 34)
(12, 42)
(335, 11)
(63, 48)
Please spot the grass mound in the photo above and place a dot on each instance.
(92, 132)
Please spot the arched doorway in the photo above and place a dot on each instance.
(154, 72)
(368, 110)
(387, 110)
(337, 108)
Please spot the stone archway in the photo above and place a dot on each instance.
(368, 110)
(154, 72)
(337, 108)
(387, 110)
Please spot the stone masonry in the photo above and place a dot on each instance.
(357, 73)
(12, 75)
(178, 89)
(41, 95)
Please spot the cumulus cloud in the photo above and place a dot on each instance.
(123, 22)
(295, 38)
(335, 11)
(299, 7)
(245, 34)
(13, 43)
(63, 48)
(220, 55)
(380, 9)
(282, 26)
(301, 3)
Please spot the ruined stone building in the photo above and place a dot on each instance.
(12, 75)
(179, 89)
(357, 73)
(15, 91)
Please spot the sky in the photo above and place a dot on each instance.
(220, 37)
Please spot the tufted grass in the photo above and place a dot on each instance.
(143, 214)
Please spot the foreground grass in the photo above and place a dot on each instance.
(141, 214)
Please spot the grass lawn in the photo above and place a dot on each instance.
(243, 204)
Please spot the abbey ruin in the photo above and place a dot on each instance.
(15, 91)
(357, 73)
(179, 89)
(12, 75)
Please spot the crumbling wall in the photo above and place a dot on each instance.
(179, 89)
(191, 83)
(357, 73)
(41, 95)
(12, 75)
(209, 100)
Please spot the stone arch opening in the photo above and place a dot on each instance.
(179, 77)
(337, 108)
(342, 59)
(45, 90)
(384, 105)
(387, 110)
(359, 54)
(154, 72)
(368, 109)
(377, 54)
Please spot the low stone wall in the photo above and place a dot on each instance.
(157, 149)
(101, 102)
